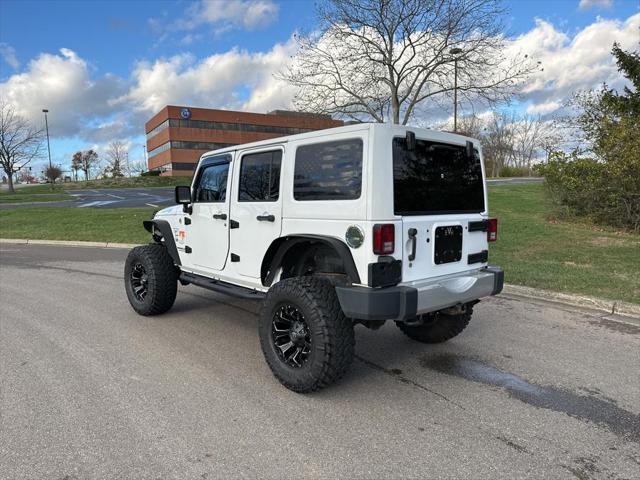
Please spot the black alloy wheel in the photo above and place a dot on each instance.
(291, 336)
(139, 281)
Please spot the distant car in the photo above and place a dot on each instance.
(357, 224)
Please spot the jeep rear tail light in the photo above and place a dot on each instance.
(384, 238)
(492, 230)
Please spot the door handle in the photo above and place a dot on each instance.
(266, 218)
(220, 216)
(412, 236)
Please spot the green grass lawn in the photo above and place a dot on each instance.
(31, 197)
(534, 249)
(122, 225)
(537, 250)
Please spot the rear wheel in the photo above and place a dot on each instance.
(437, 327)
(150, 279)
(307, 341)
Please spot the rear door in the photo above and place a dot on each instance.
(256, 208)
(439, 193)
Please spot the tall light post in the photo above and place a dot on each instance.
(46, 123)
(455, 52)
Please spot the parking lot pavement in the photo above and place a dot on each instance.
(91, 390)
(109, 198)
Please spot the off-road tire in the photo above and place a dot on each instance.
(331, 333)
(161, 279)
(438, 327)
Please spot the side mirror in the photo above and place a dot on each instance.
(183, 197)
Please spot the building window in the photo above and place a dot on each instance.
(241, 127)
(328, 171)
(260, 177)
(206, 146)
(156, 151)
(212, 183)
(199, 145)
(164, 125)
(185, 166)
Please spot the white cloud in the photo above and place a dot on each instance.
(544, 108)
(217, 81)
(571, 63)
(8, 54)
(221, 15)
(61, 83)
(249, 14)
(587, 4)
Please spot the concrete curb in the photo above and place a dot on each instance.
(607, 306)
(68, 243)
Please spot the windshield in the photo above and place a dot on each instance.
(435, 178)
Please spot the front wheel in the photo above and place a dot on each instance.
(438, 327)
(307, 341)
(150, 279)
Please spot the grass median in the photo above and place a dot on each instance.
(120, 225)
(26, 195)
(534, 249)
(537, 250)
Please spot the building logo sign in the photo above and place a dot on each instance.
(185, 113)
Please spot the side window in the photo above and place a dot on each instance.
(260, 177)
(212, 185)
(328, 171)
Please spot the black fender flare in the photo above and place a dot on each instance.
(167, 234)
(272, 260)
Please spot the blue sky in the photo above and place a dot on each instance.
(103, 68)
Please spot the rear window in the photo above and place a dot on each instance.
(328, 171)
(435, 178)
(260, 177)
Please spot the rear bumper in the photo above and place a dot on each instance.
(406, 301)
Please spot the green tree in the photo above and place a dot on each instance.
(607, 187)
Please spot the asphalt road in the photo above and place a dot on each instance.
(157, 197)
(109, 198)
(91, 390)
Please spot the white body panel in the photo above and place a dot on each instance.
(329, 218)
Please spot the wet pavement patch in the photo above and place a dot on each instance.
(599, 410)
(620, 327)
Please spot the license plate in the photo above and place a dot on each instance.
(448, 244)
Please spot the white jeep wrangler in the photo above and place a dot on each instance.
(357, 224)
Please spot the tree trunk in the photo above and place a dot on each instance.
(10, 182)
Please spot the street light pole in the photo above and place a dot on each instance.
(456, 52)
(46, 123)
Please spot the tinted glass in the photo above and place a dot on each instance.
(435, 178)
(212, 185)
(260, 177)
(328, 171)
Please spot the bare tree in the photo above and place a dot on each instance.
(89, 160)
(118, 154)
(20, 142)
(76, 164)
(136, 168)
(52, 173)
(497, 141)
(381, 59)
(469, 125)
(526, 140)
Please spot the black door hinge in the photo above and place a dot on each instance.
(479, 226)
(187, 221)
(234, 224)
(235, 258)
(187, 250)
